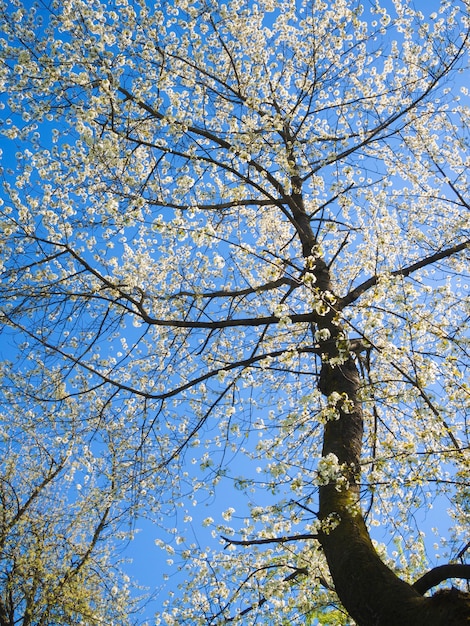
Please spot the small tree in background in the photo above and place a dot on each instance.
(241, 232)
(59, 515)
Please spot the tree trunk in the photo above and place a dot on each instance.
(371, 593)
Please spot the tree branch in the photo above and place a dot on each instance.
(353, 295)
(257, 542)
(297, 571)
(441, 573)
(226, 293)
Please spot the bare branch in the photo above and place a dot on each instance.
(257, 542)
(438, 574)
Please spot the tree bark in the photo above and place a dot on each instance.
(371, 593)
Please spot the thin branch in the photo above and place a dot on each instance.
(4, 619)
(217, 206)
(36, 491)
(297, 571)
(202, 420)
(374, 133)
(257, 542)
(260, 321)
(225, 293)
(463, 550)
(207, 134)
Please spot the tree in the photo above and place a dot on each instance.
(244, 228)
(58, 510)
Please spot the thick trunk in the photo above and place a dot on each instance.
(371, 593)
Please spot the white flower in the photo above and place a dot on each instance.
(322, 334)
(227, 515)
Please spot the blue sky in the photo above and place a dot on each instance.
(149, 562)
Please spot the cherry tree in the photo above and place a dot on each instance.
(240, 233)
